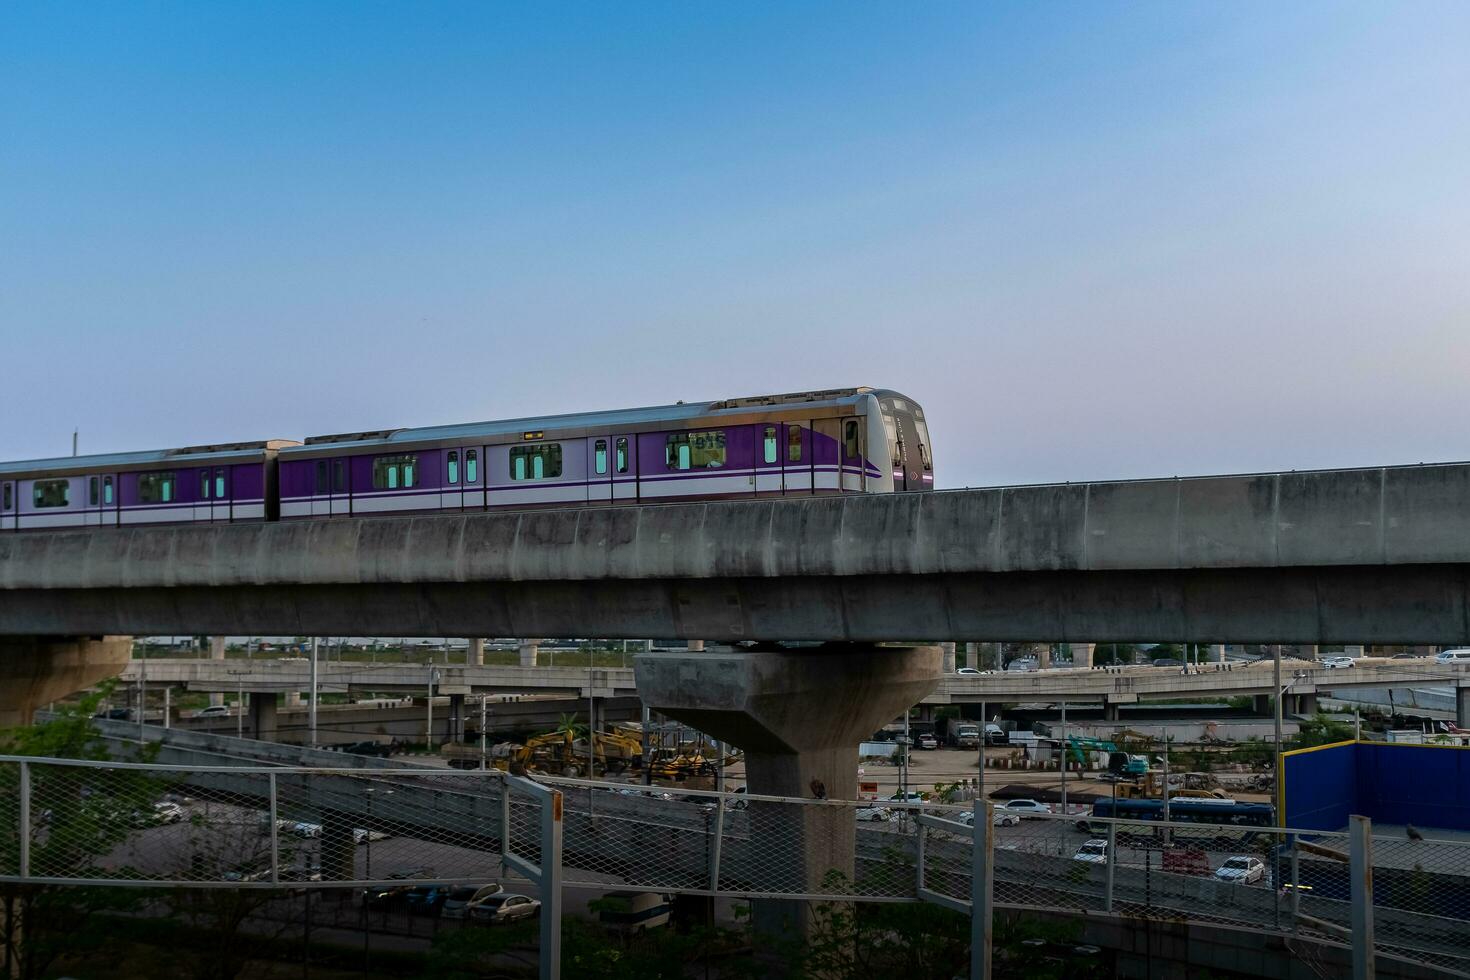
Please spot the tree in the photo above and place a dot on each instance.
(79, 816)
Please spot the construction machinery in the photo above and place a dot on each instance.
(1119, 763)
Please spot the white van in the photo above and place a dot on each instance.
(632, 912)
(1453, 657)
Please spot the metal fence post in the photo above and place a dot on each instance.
(718, 824)
(982, 880)
(505, 816)
(1108, 868)
(275, 833)
(551, 833)
(25, 819)
(1360, 868)
(1296, 883)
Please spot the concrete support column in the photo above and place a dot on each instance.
(1082, 655)
(799, 716)
(263, 715)
(474, 653)
(1353, 651)
(947, 653)
(456, 718)
(1260, 704)
(1110, 711)
(1043, 656)
(1462, 707)
(1217, 653)
(696, 646)
(972, 655)
(293, 699)
(1306, 704)
(216, 652)
(530, 652)
(35, 670)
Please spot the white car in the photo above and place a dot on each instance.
(1241, 870)
(168, 812)
(1337, 663)
(1094, 851)
(213, 711)
(876, 814)
(1025, 808)
(464, 899)
(914, 797)
(998, 818)
(968, 671)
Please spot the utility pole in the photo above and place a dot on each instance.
(483, 698)
(311, 705)
(984, 736)
(142, 686)
(1064, 758)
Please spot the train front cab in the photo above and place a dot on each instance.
(910, 462)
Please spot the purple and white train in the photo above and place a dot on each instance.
(854, 440)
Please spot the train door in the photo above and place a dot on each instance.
(221, 497)
(451, 493)
(796, 458)
(472, 478)
(92, 514)
(339, 483)
(624, 468)
(854, 454)
(110, 497)
(600, 452)
(827, 456)
(898, 443)
(202, 486)
(768, 470)
(7, 506)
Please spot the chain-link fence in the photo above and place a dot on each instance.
(393, 833)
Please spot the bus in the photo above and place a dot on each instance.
(1218, 813)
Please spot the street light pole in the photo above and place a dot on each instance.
(1064, 758)
(482, 731)
(429, 727)
(311, 705)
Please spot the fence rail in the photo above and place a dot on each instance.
(65, 822)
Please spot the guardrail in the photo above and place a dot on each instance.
(70, 822)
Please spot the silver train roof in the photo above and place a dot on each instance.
(101, 462)
(588, 421)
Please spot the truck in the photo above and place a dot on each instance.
(964, 735)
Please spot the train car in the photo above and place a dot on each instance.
(855, 440)
(200, 484)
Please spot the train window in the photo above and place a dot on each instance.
(923, 432)
(204, 484)
(695, 450)
(768, 443)
(793, 444)
(622, 451)
(472, 466)
(219, 484)
(51, 493)
(850, 447)
(599, 455)
(92, 492)
(7, 499)
(156, 488)
(389, 472)
(539, 462)
(339, 476)
(453, 466)
(321, 476)
(107, 489)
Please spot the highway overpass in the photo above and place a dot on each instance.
(1357, 556)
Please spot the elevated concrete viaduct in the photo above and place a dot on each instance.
(1358, 556)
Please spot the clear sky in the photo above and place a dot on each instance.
(1094, 240)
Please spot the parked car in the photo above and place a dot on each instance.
(1094, 851)
(998, 818)
(913, 797)
(995, 735)
(1025, 808)
(633, 912)
(505, 907)
(1167, 662)
(427, 899)
(1337, 663)
(1241, 870)
(1453, 657)
(213, 711)
(928, 741)
(968, 671)
(388, 896)
(463, 899)
(167, 812)
(875, 813)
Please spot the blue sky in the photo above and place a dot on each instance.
(1094, 240)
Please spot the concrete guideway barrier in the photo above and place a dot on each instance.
(1372, 555)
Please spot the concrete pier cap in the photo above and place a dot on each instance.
(38, 669)
(798, 715)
